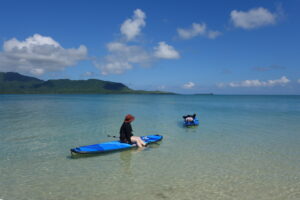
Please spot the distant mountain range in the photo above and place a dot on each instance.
(15, 83)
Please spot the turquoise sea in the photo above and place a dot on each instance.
(245, 148)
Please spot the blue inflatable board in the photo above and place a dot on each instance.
(195, 122)
(113, 146)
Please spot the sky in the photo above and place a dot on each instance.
(182, 46)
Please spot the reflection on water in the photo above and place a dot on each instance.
(125, 157)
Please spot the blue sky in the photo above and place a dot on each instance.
(223, 47)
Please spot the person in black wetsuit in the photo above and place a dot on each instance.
(126, 135)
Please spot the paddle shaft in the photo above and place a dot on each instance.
(112, 136)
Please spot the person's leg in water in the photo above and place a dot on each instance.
(142, 141)
(138, 141)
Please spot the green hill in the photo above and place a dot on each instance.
(14, 83)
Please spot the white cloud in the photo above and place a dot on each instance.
(257, 83)
(88, 74)
(131, 53)
(213, 34)
(197, 30)
(114, 67)
(132, 27)
(122, 57)
(37, 55)
(165, 51)
(298, 80)
(189, 85)
(254, 18)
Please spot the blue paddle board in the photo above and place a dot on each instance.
(113, 145)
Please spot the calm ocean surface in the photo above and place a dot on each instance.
(246, 147)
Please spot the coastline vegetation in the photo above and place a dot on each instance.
(15, 83)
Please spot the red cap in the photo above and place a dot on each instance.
(129, 118)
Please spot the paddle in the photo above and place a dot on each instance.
(112, 136)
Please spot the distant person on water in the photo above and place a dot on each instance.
(189, 118)
(126, 135)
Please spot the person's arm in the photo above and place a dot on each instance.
(122, 133)
(128, 132)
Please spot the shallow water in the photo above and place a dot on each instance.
(246, 147)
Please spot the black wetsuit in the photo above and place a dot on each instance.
(126, 133)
